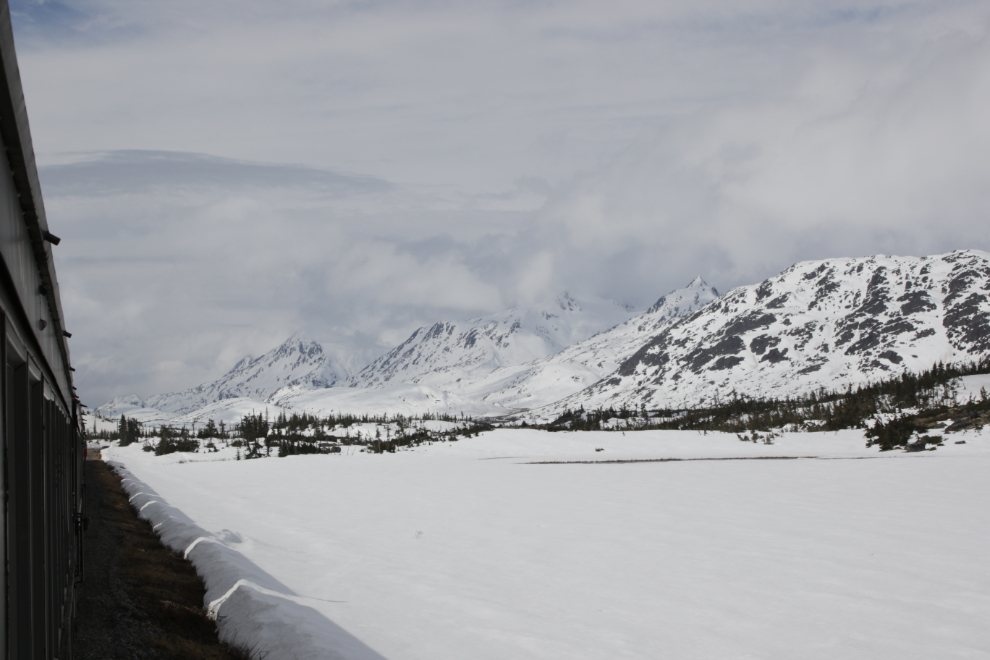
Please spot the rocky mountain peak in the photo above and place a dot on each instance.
(685, 301)
(299, 361)
(452, 352)
(829, 323)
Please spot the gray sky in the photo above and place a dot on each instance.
(226, 173)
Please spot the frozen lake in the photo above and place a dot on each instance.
(470, 550)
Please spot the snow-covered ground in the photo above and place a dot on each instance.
(473, 550)
(394, 399)
(972, 387)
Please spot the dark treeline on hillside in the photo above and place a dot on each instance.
(257, 435)
(875, 406)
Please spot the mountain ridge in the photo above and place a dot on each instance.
(583, 363)
(298, 361)
(447, 352)
(827, 323)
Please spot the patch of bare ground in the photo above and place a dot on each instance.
(139, 599)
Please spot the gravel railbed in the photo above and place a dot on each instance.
(109, 625)
(139, 600)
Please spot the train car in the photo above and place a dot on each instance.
(43, 447)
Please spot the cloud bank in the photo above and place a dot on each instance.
(227, 174)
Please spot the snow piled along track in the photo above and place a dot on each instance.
(468, 550)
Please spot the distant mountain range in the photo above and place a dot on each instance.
(541, 382)
(829, 323)
(440, 358)
(450, 354)
(299, 362)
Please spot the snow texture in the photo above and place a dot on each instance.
(251, 608)
(472, 550)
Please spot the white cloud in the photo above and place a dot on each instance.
(380, 165)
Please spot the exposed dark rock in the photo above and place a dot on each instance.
(775, 355)
(657, 305)
(726, 362)
(916, 301)
(892, 356)
(653, 354)
(778, 302)
(826, 287)
(847, 335)
(877, 294)
(815, 273)
(968, 325)
(803, 334)
(764, 291)
(870, 339)
(870, 336)
(760, 344)
(470, 339)
(898, 326)
(744, 324)
(960, 283)
(699, 357)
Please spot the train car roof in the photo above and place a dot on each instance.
(16, 134)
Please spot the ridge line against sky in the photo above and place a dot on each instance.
(226, 174)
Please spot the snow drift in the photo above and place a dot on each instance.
(252, 609)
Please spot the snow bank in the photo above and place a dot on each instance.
(252, 609)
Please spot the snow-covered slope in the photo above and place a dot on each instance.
(299, 362)
(582, 364)
(230, 411)
(394, 399)
(827, 323)
(450, 354)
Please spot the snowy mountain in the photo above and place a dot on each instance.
(450, 369)
(582, 364)
(298, 362)
(450, 355)
(828, 323)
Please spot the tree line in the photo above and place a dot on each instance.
(257, 435)
(877, 407)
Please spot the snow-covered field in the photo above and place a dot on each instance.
(473, 550)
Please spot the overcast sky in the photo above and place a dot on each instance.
(226, 173)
